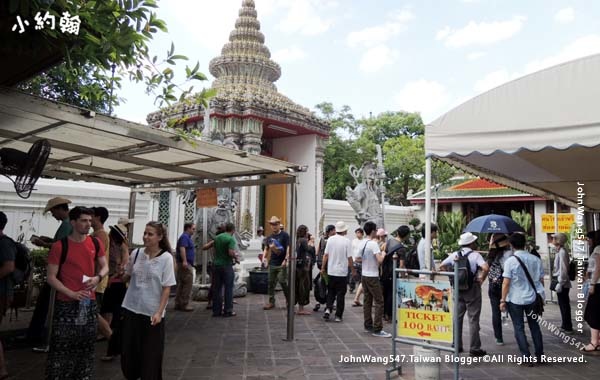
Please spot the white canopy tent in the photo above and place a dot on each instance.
(539, 134)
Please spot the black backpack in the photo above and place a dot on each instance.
(22, 262)
(321, 253)
(387, 266)
(320, 289)
(465, 275)
(572, 270)
(412, 259)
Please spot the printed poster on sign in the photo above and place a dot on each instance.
(425, 310)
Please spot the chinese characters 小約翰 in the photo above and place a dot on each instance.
(67, 23)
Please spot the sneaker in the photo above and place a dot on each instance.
(317, 307)
(382, 334)
(477, 352)
(499, 342)
(326, 314)
(369, 330)
(568, 332)
(337, 319)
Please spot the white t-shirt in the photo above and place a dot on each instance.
(421, 255)
(148, 277)
(356, 243)
(370, 266)
(338, 249)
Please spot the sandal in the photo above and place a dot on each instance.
(596, 347)
(356, 304)
(303, 312)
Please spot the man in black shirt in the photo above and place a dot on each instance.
(276, 255)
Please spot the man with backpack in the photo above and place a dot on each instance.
(8, 251)
(396, 245)
(76, 265)
(472, 272)
(319, 282)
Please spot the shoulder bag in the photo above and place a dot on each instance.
(538, 304)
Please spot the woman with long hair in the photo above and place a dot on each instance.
(499, 251)
(560, 277)
(115, 292)
(152, 275)
(303, 268)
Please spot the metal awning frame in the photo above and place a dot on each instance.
(15, 105)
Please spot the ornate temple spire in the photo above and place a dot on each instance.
(245, 61)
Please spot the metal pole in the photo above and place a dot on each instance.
(455, 321)
(292, 265)
(395, 313)
(428, 213)
(131, 216)
(204, 241)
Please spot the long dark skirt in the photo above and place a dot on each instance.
(592, 309)
(113, 298)
(143, 346)
(72, 347)
(303, 282)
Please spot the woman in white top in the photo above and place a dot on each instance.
(152, 275)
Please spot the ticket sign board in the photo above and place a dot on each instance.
(425, 310)
(206, 197)
(565, 221)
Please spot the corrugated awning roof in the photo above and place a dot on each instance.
(98, 148)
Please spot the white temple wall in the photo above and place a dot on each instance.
(301, 150)
(115, 198)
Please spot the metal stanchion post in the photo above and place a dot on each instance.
(455, 321)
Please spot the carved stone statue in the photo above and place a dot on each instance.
(365, 197)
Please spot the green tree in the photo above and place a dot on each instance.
(113, 34)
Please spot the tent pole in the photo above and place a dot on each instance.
(131, 215)
(292, 264)
(427, 236)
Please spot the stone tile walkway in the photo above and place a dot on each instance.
(250, 346)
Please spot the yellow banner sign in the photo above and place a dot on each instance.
(425, 310)
(565, 221)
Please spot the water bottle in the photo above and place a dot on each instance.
(505, 318)
(84, 306)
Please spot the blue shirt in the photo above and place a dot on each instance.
(185, 240)
(520, 291)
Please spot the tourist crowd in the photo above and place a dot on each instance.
(99, 288)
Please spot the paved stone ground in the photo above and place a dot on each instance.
(250, 346)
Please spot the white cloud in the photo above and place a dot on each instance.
(430, 98)
(374, 38)
(305, 16)
(493, 79)
(376, 58)
(475, 55)
(581, 47)
(291, 54)
(481, 33)
(565, 15)
(376, 35)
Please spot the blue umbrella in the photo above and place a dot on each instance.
(491, 224)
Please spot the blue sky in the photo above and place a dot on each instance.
(384, 55)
